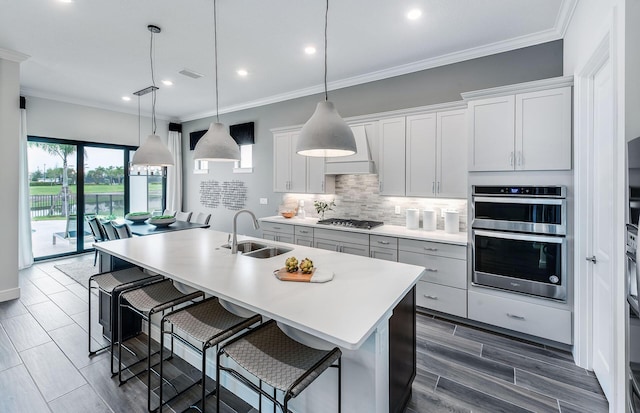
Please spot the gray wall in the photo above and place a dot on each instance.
(437, 85)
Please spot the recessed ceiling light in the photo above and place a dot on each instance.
(414, 14)
(65, 1)
(167, 82)
(126, 98)
(310, 50)
(242, 72)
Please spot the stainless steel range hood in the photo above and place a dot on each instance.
(359, 163)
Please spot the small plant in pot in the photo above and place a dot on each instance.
(322, 207)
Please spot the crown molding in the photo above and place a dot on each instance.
(13, 56)
(536, 85)
(567, 8)
(24, 91)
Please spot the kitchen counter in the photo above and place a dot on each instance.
(352, 311)
(459, 238)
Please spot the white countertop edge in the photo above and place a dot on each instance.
(398, 231)
(350, 345)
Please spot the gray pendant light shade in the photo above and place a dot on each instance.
(153, 153)
(216, 145)
(326, 134)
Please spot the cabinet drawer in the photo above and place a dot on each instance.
(440, 270)
(383, 242)
(304, 241)
(433, 248)
(441, 298)
(345, 236)
(303, 231)
(388, 254)
(282, 228)
(537, 320)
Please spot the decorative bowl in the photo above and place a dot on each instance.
(288, 214)
(161, 221)
(137, 217)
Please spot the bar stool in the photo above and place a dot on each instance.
(278, 360)
(109, 286)
(207, 322)
(147, 301)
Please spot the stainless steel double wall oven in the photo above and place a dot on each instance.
(519, 239)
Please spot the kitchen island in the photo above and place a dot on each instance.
(368, 309)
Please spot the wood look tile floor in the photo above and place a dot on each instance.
(44, 365)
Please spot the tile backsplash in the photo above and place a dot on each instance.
(357, 197)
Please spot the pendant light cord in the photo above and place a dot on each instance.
(139, 126)
(215, 55)
(153, 83)
(326, 20)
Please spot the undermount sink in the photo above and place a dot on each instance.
(267, 252)
(247, 246)
(258, 250)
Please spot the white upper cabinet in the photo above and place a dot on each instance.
(433, 158)
(491, 123)
(297, 173)
(543, 130)
(521, 127)
(391, 167)
(421, 155)
(451, 163)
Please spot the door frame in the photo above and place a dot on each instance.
(605, 51)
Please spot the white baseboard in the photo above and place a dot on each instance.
(11, 294)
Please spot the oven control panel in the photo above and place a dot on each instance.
(534, 191)
(632, 237)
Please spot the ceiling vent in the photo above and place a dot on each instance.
(191, 73)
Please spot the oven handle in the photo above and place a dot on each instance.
(516, 200)
(521, 237)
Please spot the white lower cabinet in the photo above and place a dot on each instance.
(277, 232)
(303, 236)
(341, 241)
(443, 287)
(529, 318)
(383, 247)
(442, 298)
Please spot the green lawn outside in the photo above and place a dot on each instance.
(88, 189)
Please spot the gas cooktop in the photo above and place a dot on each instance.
(350, 223)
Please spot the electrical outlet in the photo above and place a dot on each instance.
(398, 211)
(264, 201)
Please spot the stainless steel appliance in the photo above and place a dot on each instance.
(519, 239)
(632, 269)
(350, 223)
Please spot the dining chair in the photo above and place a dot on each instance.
(98, 235)
(109, 231)
(169, 212)
(121, 230)
(201, 218)
(183, 216)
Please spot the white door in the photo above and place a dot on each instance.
(281, 162)
(452, 154)
(602, 242)
(391, 168)
(491, 132)
(298, 178)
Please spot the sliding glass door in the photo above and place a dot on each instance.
(73, 181)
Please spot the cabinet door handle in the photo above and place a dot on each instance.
(438, 190)
(383, 242)
(431, 297)
(322, 185)
(433, 187)
(276, 227)
(517, 317)
(431, 269)
(430, 249)
(520, 158)
(511, 158)
(381, 186)
(303, 231)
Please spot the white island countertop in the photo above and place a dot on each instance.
(344, 311)
(459, 238)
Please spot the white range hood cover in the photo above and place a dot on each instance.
(358, 163)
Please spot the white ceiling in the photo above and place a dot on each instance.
(93, 52)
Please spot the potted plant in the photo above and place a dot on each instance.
(322, 207)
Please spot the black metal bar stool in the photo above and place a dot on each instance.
(109, 286)
(147, 301)
(210, 324)
(278, 360)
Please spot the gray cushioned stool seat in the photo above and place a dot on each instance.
(278, 360)
(158, 297)
(109, 281)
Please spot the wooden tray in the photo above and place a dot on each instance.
(283, 275)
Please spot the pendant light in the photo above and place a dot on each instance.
(153, 152)
(217, 144)
(326, 133)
